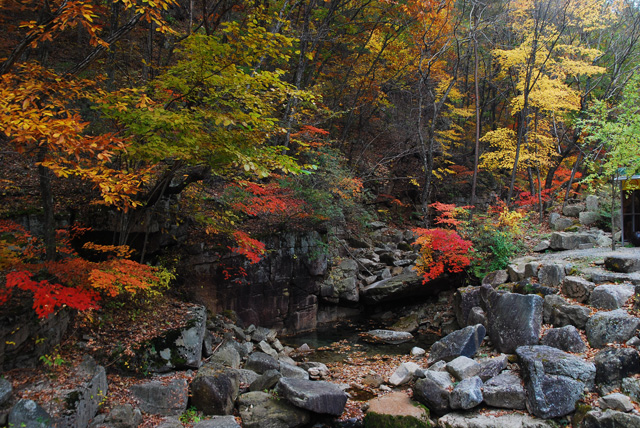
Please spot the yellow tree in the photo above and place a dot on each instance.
(544, 56)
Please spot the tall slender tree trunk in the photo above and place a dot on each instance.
(476, 151)
(46, 196)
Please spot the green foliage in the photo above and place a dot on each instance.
(216, 106)
(614, 132)
(496, 238)
(190, 416)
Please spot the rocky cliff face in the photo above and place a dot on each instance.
(281, 291)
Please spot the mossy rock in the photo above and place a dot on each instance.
(376, 420)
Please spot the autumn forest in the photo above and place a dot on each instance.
(462, 118)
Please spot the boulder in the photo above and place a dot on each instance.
(631, 387)
(260, 362)
(464, 300)
(433, 391)
(492, 366)
(316, 396)
(403, 374)
(259, 409)
(492, 419)
(265, 348)
(28, 414)
(123, 416)
(516, 272)
(157, 398)
(467, 394)
(463, 367)
(407, 284)
(387, 336)
(612, 326)
(565, 338)
(613, 365)
(557, 362)
(554, 380)
(561, 223)
(588, 218)
(267, 380)
(290, 370)
(622, 264)
(610, 419)
(214, 392)
(477, 316)
(505, 391)
(514, 320)
(179, 348)
(496, 278)
(551, 275)
(217, 422)
(541, 246)
(395, 408)
(573, 210)
(409, 323)
(527, 287)
(616, 401)
(592, 203)
(6, 391)
(577, 288)
(227, 355)
(611, 296)
(462, 342)
(90, 390)
(559, 313)
(570, 241)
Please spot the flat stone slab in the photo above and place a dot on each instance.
(493, 419)
(316, 396)
(611, 326)
(390, 337)
(397, 404)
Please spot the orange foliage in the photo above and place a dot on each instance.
(251, 248)
(72, 281)
(441, 251)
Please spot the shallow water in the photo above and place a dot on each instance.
(337, 342)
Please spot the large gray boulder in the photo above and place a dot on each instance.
(407, 284)
(90, 390)
(121, 416)
(316, 396)
(28, 414)
(612, 326)
(157, 398)
(565, 338)
(262, 410)
(559, 313)
(573, 210)
(613, 365)
(622, 264)
(505, 391)
(554, 380)
(179, 348)
(495, 419)
(6, 390)
(464, 300)
(610, 419)
(577, 288)
(570, 241)
(260, 362)
(557, 362)
(227, 355)
(514, 320)
(587, 218)
(467, 394)
(463, 367)
(492, 366)
(433, 391)
(465, 342)
(611, 296)
(214, 391)
(551, 275)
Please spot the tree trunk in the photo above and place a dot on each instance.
(46, 196)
